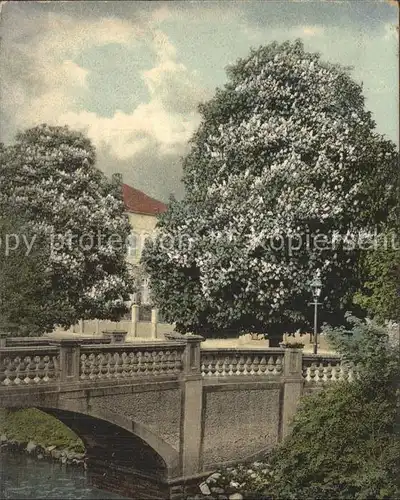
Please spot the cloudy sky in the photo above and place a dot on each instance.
(131, 74)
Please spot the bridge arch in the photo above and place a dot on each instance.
(113, 442)
(135, 433)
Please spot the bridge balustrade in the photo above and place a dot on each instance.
(70, 361)
(231, 362)
(130, 361)
(322, 369)
(29, 365)
(46, 361)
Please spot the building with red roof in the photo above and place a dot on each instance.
(138, 202)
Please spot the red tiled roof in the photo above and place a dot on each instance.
(139, 203)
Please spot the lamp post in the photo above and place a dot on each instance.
(316, 287)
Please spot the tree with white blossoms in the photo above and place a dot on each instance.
(77, 214)
(286, 149)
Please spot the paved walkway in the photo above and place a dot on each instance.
(209, 343)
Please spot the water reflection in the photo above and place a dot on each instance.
(22, 476)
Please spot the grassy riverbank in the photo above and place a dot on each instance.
(30, 424)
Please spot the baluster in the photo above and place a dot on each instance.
(350, 375)
(141, 363)
(262, 368)
(46, 363)
(54, 367)
(232, 365)
(96, 364)
(17, 367)
(320, 374)
(26, 372)
(84, 373)
(312, 372)
(343, 372)
(4, 380)
(226, 366)
(134, 363)
(256, 365)
(171, 362)
(211, 366)
(203, 366)
(156, 363)
(118, 365)
(21, 371)
(163, 362)
(102, 366)
(11, 370)
(92, 367)
(178, 362)
(278, 365)
(328, 373)
(113, 365)
(338, 371)
(248, 366)
(241, 366)
(149, 366)
(39, 369)
(40, 373)
(219, 367)
(270, 365)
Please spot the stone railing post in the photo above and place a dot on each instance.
(3, 339)
(191, 355)
(293, 386)
(69, 359)
(154, 321)
(192, 402)
(135, 319)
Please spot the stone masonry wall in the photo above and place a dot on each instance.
(159, 411)
(240, 420)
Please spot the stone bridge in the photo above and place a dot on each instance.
(155, 417)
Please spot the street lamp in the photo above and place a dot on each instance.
(316, 287)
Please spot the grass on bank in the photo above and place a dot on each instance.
(31, 424)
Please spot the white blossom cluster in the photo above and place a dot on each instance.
(296, 157)
(51, 175)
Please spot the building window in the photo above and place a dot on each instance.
(133, 246)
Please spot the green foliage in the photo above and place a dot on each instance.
(380, 293)
(23, 281)
(345, 442)
(34, 425)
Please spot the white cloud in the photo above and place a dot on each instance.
(40, 80)
(169, 117)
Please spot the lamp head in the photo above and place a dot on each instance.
(316, 287)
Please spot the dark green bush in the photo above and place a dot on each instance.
(345, 440)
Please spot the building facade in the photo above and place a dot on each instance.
(143, 320)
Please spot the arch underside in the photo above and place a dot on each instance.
(112, 444)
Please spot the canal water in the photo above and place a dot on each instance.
(22, 476)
